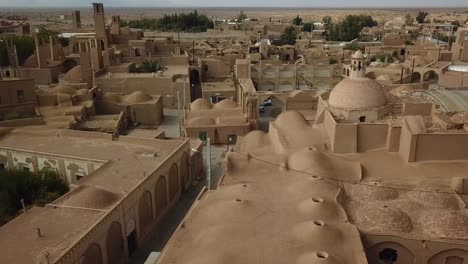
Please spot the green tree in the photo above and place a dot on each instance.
(3, 53)
(352, 46)
(297, 20)
(408, 20)
(409, 42)
(308, 27)
(241, 16)
(288, 36)
(350, 28)
(35, 188)
(191, 22)
(153, 66)
(421, 16)
(327, 20)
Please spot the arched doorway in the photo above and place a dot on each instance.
(416, 77)
(160, 196)
(7, 74)
(69, 64)
(145, 211)
(114, 244)
(173, 182)
(431, 76)
(92, 255)
(195, 85)
(137, 52)
(184, 171)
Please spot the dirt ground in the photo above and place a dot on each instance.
(51, 17)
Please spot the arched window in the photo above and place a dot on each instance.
(145, 211)
(173, 182)
(160, 194)
(115, 244)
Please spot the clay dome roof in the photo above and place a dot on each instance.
(318, 163)
(226, 103)
(112, 97)
(358, 55)
(254, 140)
(383, 77)
(436, 200)
(137, 97)
(95, 198)
(83, 91)
(371, 193)
(446, 224)
(360, 93)
(63, 89)
(201, 104)
(375, 217)
(75, 74)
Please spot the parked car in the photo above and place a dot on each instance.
(261, 108)
(267, 102)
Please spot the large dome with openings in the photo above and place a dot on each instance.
(360, 93)
(357, 91)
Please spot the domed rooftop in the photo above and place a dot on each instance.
(200, 104)
(360, 93)
(375, 217)
(358, 55)
(63, 89)
(137, 97)
(446, 224)
(226, 103)
(95, 198)
(112, 97)
(75, 74)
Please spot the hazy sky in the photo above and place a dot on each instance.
(243, 3)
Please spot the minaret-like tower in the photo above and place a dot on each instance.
(99, 20)
(115, 27)
(76, 19)
(358, 65)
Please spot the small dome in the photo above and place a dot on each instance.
(75, 74)
(112, 97)
(95, 198)
(379, 218)
(360, 93)
(254, 140)
(226, 103)
(445, 224)
(200, 104)
(290, 119)
(137, 97)
(358, 55)
(384, 77)
(436, 200)
(83, 91)
(63, 89)
(31, 62)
